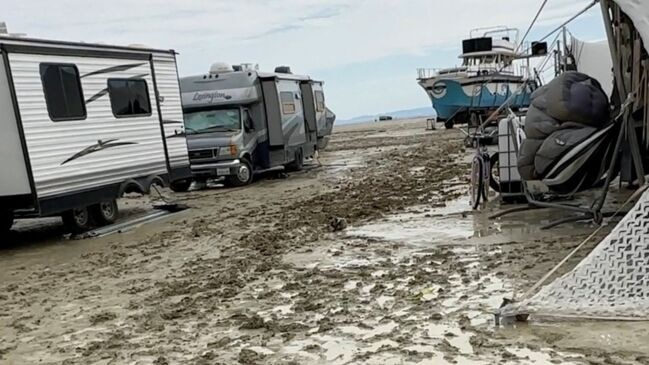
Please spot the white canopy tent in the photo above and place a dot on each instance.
(594, 59)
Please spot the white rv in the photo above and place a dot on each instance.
(240, 121)
(82, 124)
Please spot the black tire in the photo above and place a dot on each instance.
(244, 176)
(104, 213)
(298, 163)
(494, 182)
(449, 124)
(181, 186)
(154, 184)
(6, 221)
(477, 182)
(77, 220)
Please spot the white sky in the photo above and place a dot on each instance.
(328, 39)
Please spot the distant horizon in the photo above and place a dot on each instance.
(425, 111)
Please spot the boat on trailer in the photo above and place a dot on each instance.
(492, 73)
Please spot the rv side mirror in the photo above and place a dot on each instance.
(247, 121)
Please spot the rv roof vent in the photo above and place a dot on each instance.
(283, 70)
(220, 67)
(3, 28)
(137, 45)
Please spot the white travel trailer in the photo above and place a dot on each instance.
(239, 121)
(82, 124)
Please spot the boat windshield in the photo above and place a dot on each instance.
(217, 120)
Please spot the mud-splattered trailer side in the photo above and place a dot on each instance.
(82, 124)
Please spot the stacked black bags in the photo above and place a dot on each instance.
(563, 114)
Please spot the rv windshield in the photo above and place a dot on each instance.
(206, 121)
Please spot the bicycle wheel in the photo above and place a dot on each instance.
(486, 176)
(477, 181)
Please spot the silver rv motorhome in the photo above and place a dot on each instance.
(82, 124)
(239, 121)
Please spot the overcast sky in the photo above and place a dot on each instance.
(366, 51)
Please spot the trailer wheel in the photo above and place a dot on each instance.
(105, 213)
(6, 221)
(449, 124)
(77, 220)
(244, 175)
(181, 186)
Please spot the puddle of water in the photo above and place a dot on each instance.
(340, 350)
(538, 357)
(423, 225)
(415, 231)
(453, 335)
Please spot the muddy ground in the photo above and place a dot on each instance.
(372, 257)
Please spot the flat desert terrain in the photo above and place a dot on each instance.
(371, 255)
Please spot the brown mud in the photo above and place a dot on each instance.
(371, 258)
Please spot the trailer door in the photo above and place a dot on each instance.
(309, 106)
(14, 179)
(323, 129)
(171, 114)
(273, 114)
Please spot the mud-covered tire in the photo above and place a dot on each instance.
(77, 220)
(180, 186)
(298, 162)
(104, 213)
(244, 175)
(6, 221)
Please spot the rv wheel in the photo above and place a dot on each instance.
(6, 221)
(181, 186)
(449, 124)
(77, 220)
(105, 213)
(243, 176)
(298, 163)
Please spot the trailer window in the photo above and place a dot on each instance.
(319, 101)
(63, 94)
(288, 102)
(129, 97)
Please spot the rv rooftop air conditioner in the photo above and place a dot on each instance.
(283, 70)
(5, 32)
(220, 67)
(138, 45)
(249, 67)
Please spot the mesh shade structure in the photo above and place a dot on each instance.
(612, 283)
